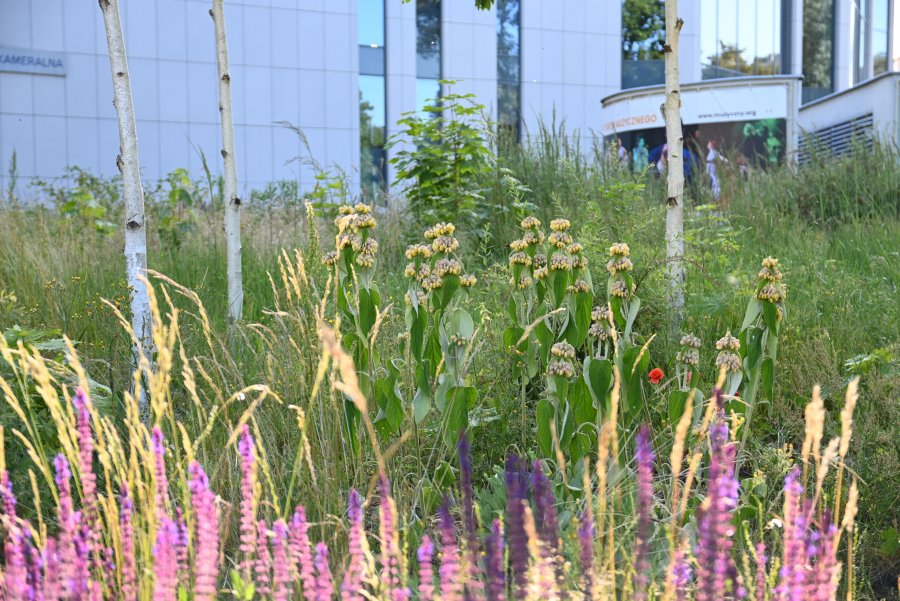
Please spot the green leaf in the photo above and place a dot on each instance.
(367, 312)
(545, 415)
(769, 316)
(545, 338)
(559, 281)
(456, 418)
(448, 290)
(511, 336)
(677, 402)
(768, 378)
(753, 309)
(512, 309)
(583, 409)
(634, 305)
(460, 323)
(352, 417)
(598, 375)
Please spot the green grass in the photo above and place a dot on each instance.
(835, 230)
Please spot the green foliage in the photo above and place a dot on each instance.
(176, 212)
(442, 158)
(84, 197)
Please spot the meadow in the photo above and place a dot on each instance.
(653, 462)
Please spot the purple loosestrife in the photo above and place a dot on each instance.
(301, 552)
(165, 562)
(126, 533)
(262, 568)
(449, 572)
(715, 568)
(681, 574)
(206, 537)
(793, 564)
(15, 577)
(548, 525)
(67, 522)
(495, 569)
(247, 451)
(281, 572)
(324, 589)
(644, 459)
(391, 564)
(159, 471)
(474, 580)
(425, 555)
(827, 572)
(51, 587)
(586, 552)
(761, 583)
(35, 571)
(86, 469)
(81, 584)
(352, 583)
(516, 499)
(7, 498)
(182, 556)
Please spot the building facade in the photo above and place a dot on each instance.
(320, 84)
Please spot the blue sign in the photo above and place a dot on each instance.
(18, 60)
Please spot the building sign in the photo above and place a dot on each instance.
(18, 60)
(707, 104)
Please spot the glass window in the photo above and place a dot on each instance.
(508, 65)
(643, 35)
(428, 91)
(880, 31)
(428, 38)
(372, 121)
(370, 15)
(818, 49)
(740, 37)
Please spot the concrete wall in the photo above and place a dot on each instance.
(879, 96)
(284, 68)
(571, 58)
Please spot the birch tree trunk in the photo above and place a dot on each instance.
(675, 171)
(232, 201)
(129, 167)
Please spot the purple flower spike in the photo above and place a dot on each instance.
(67, 520)
(586, 552)
(761, 578)
(681, 575)
(281, 574)
(390, 542)
(301, 552)
(450, 576)
(793, 565)
(248, 533)
(545, 516)
(494, 566)
(425, 556)
(475, 579)
(644, 458)
(263, 565)
(165, 564)
(716, 569)
(16, 568)
(126, 532)
(352, 584)
(159, 470)
(516, 495)
(324, 583)
(206, 542)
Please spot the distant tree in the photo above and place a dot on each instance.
(643, 29)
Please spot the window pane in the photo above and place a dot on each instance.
(370, 14)
(709, 34)
(371, 60)
(428, 27)
(372, 119)
(880, 16)
(508, 27)
(818, 44)
(428, 91)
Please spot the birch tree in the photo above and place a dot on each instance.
(232, 201)
(675, 173)
(129, 167)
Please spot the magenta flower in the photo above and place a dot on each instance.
(67, 522)
(7, 498)
(644, 459)
(159, 470)
(516, 497)
(793, 566)
(165, 564)
(281, 573)
(425, 555)
(248, 533)
(715, 567)
(16, 569)
(761, 576)
(475, 578)
(352, 584)
(390, 544)
(127, 559)
(495, 569)
(263, 565)
(181, 549)
(206, 537)
(449, 573)
(301, 552)
(324, 589)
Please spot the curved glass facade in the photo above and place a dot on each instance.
(818, 48)
(643, 34)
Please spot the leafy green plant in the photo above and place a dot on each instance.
(441, 156)
(89, 199)
(440, 332)
(178, 209)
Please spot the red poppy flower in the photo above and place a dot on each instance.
(656, 375)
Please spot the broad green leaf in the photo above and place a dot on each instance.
(769, 316)
(753, 309)
(545, 415)
(456, 418)
(460, 323)
(367, 312)
(634, 305)
(511, 336)
(598, 375)
(677, 402)
(768, 378)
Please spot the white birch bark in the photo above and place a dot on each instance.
(675, 171)
(129, 167)
(232, 201)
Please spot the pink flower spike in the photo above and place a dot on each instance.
(127, 559)
(280, 565)
(301, 552)
(248, 531)
(263, 565)
(206, 540)
(324, 590)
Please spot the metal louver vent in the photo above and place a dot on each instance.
(837, 139)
